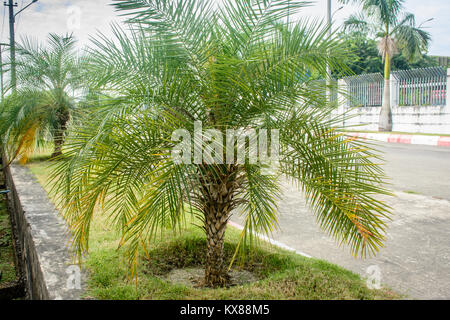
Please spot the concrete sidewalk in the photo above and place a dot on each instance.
(435, 140)
(415, 260)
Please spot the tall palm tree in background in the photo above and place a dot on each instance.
(397, 32)
(237, 67)
(49, 77)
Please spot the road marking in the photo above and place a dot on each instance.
(444, 142)
(441, 141)
(271, 241)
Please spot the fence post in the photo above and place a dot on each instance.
(447, 93)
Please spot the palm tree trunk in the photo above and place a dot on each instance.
(218, 192)
(385, 121)
(60, 132)
(58, 141)
(215, 270)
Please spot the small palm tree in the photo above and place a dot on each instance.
(49, 78)
(397, 32)
(237, 67)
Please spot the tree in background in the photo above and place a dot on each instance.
(400, 62)
(49, 78)
(396, 32)
(241, 68)
(364, 56)
(363, 53)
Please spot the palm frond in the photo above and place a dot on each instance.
(182, 22)
(356, 22)
(387, 45)
(412, 41)
(260, 195)
(341, 180)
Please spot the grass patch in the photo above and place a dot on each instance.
(280, 274)
(7, 267)
(411, 192)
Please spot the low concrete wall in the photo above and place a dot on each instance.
(43, 237)
(413, 119)
(430, 119)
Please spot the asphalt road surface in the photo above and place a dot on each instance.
(418, 169)
(416, 258)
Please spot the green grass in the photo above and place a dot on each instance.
(281, 274)
(6, 250)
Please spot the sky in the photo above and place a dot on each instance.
(84, 18)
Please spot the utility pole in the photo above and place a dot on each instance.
(329, 17)
(2, 83)
(1, 71)
(329, 22)
(289, 12)
(328, 82)
(12, 42)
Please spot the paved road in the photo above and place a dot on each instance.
(416, 258)
(421, 169)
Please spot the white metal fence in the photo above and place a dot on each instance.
(365, 90)
(421, 87)
(418, 87)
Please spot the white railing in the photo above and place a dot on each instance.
(420, 101)
(421, 87)
(365, 90)
(418, 87)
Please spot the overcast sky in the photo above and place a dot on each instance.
(85, 17)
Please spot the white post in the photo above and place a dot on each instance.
(341, 98)
(328, 82)
(447, 100)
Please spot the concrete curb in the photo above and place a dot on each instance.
(271, 241)
(51, 274)
(440, 141)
